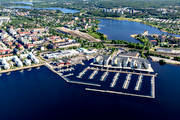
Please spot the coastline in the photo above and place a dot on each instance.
(123, 18)
(168, 61)
(21, 68)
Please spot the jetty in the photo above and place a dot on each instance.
(83, 72)
(68, 75)
(104, 76)
(127, 81)
(153, 86)
(93, 74)
(119, 93)
(114, 80)
(138, 83)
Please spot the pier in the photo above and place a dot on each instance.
(66, 70)
(83, 72)
(127, 72)
(68, 75)
(103, 77)
(119, 93)
(126, 82)
(114, 80)
(93, 74)
(138, 83)
(153, 86)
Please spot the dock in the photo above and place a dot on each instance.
(103, 77)
(127, 72)
(115, 92)
(153, 86)
(127, 81)
(66, 70)
(68, 75)
(114, 80)
(83, 72)
(93, 74)
(138, 83)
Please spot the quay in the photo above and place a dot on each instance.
(126, 82)
(119, 93)
(83, 72)
(138, 83)
(114, 80)
(93, 74)
(103, 77)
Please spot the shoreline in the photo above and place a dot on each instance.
(123, 18)
(168, 61)
(21, 68)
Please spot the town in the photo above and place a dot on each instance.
(68, 43)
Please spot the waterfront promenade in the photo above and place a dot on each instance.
(21, 68)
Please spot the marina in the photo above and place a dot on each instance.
(109, 80)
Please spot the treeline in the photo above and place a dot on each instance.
(130, 44)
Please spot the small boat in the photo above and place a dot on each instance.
(8, 73)
(38, 68)
(29, 69)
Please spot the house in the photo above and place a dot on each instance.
(30, 45)
(20, 47)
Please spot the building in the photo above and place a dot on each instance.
(27, 62)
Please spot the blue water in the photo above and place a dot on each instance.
(43, 95)
(64, 10)
(121, 30)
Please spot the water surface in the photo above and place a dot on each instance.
(43, 95)
(121, 29)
